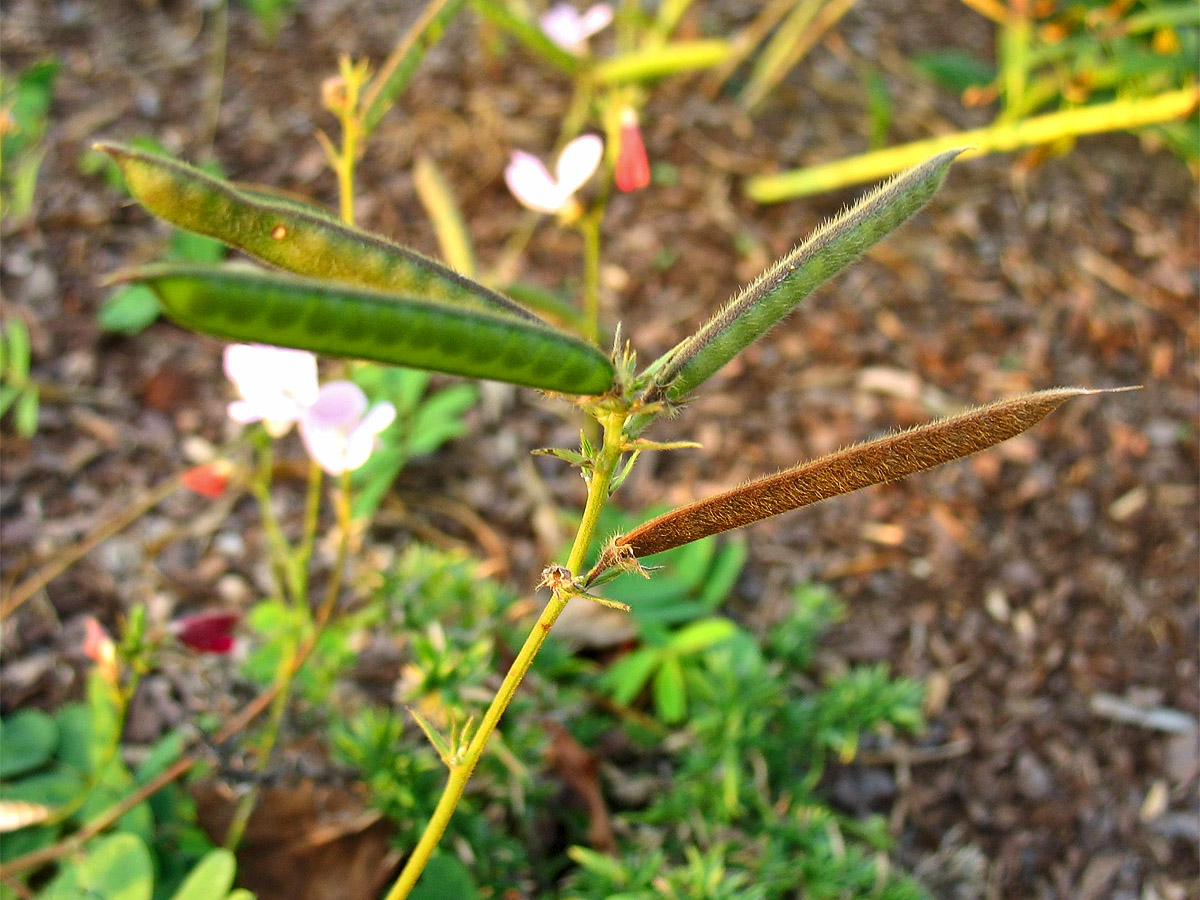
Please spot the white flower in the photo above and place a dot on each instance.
(533, 185)
(338, 429)
(570, 30)
(276, 384)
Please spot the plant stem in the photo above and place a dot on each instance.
(460, 771)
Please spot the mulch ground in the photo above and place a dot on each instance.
(1046, 589)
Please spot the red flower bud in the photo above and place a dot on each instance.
(207, 632)
(209, 480)
(633, 169)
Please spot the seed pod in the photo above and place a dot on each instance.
(295, 236)
(775, 293)
(272, 308)
(862, 465)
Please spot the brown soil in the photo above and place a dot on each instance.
(1024, 584)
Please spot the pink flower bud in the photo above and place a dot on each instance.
(633, 169)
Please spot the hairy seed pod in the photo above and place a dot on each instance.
(775, 293)
(272, 308)
(862, 465)
(294, 235)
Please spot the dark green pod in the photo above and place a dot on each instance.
(295, 236)
(242, 304)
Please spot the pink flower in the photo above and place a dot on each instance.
(210, 479)
(566, 27)
(276, 384)
(338, 429)
(633, 169)
(100, 649)
(533, 185)
(207, 632)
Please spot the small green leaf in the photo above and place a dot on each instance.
(130, 309)
(25, 414)
(8, 394)
(117, 868)
(670, 693)
(336, 320)
(955, 69)
(211, 878)
(527, 32)
(445, 878)
(701, 635)
(186, 246)
(28, 739)
(626, 679)
(18, 355)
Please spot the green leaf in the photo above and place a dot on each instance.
(955, 69)
(294, 237)
(74, 737)
(25, 414)
(626, 679)
(28, 739)
(211, 879)
(775, 293)
(117, 868)
(670, 694)
(187, 246)
(18, 354)
(395, 74)
(8, 394)
(527, 32)
(445, 878)
(340, 321)
(701, 635)
(130, 309)
(438, 419)
(724, 573)
(659, 62)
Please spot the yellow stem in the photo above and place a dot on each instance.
(460, 773)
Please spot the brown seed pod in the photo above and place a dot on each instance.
(875, 462)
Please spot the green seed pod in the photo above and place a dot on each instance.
(862, 465)
(774, 294)
(294, 235)
(266, 307)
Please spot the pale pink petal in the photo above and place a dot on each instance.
(595, 19)
(276, 384)
(578, 162)
(361, 441)
(337, 434)
(531, 184)
(563, 25)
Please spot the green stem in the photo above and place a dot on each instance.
(312, 509)
(280, 550)
(460, 771)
